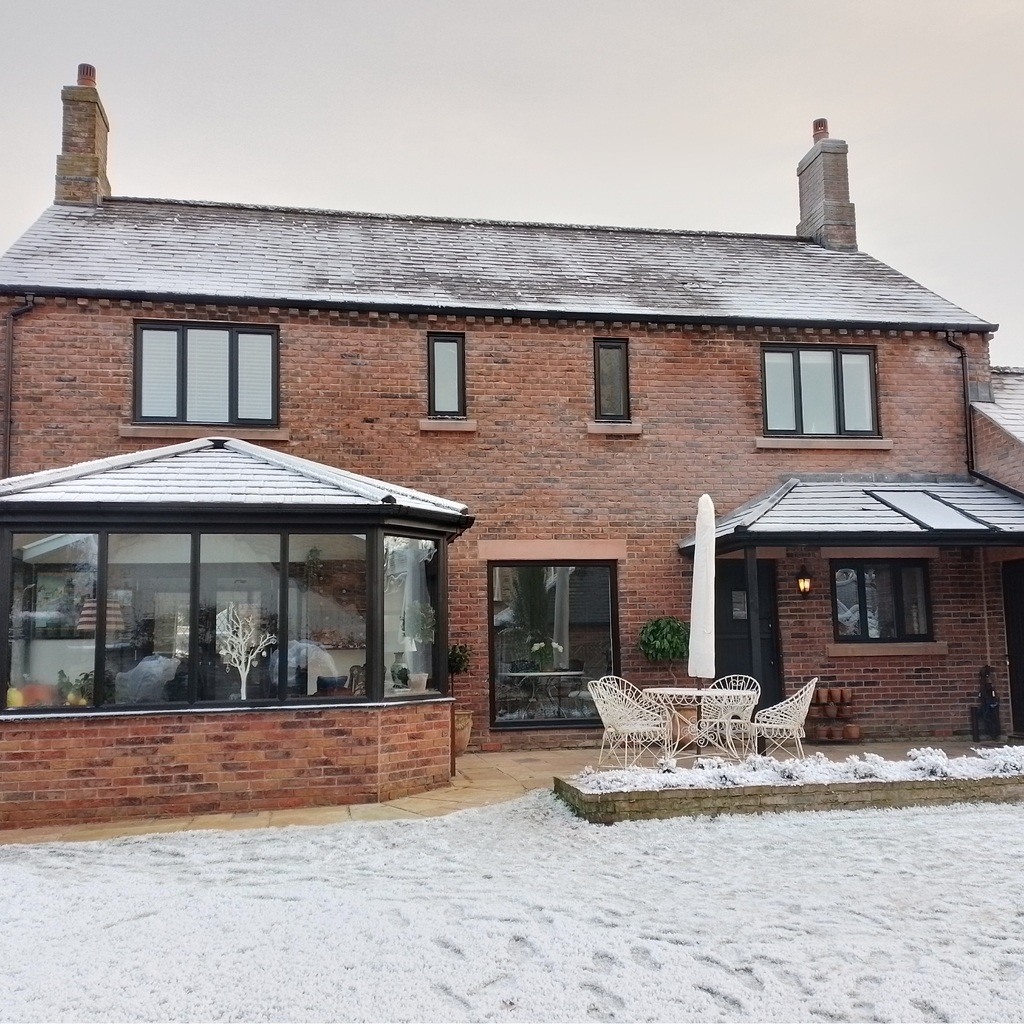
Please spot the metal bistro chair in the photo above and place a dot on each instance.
(724, 720)
(784, 721)
(633, 724)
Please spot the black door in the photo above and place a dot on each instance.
(732, 626)
(1013, 610)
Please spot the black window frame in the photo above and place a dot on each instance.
(614, 626)
(837, 352)
(894, 566)
(181, 328)
(618, 344)
(448, 337)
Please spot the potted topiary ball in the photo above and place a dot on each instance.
(666, 639)
(458, 662)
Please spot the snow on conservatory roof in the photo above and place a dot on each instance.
(153, 248)
(220, 471)
(935, 510)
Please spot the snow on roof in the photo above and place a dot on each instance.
(1007, 405)
(211, 251)
(215, 470)
(902, 510)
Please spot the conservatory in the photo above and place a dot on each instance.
(216, 625)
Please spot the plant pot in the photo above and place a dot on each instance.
(851, 732)
(463, 730)
(417, 681)
(835, 694)
(831, 710)
(821, 732)
(847, 693)
(822, 694)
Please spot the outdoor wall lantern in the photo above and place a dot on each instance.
(803, 581)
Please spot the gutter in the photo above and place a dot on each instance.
(14, 314)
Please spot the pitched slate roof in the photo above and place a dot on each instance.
(215, 471)
(207, 251)
(880, 511)
(1007, 407)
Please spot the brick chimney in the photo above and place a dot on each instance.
(82, 164)
(826, 213)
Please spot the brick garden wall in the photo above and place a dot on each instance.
(353, 394)
(66, 769)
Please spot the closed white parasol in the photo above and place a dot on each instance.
(702, 598)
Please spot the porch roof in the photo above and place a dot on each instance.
(922, 511)
(216, 471)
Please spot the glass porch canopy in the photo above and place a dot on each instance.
(951, 511)
(217, 572)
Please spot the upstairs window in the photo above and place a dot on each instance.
(611, 379)
(446, 372)
(819, 391)
(880, 601)
(205, 373)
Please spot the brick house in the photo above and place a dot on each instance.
(574, 388)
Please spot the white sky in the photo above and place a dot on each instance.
(661, 113)
(520, 912)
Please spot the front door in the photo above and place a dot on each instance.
(1013, 610)
(732, 626)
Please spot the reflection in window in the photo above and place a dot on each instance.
(52, 640)
(326, 615)
(238, 612)
(881, 601)
(552, 630)
(410, 615)
(147, 618)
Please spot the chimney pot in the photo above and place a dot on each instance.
(87, 75)
(826, 214)
(819, 129)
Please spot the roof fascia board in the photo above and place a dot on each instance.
(518, 311)
(876, 539)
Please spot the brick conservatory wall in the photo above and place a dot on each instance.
(58, 770)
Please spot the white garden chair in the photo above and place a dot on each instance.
(633, 724)
(784, 721)
(723, 720)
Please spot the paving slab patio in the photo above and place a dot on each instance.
(480, 780)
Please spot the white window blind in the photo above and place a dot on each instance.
(158, 387)
(206, 399)
(255, 377)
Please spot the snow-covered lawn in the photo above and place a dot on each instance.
(522, 912)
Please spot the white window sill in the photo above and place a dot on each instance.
(938, 648)
(608, 428)
(189, 431)
(853, 443)
(442, 426)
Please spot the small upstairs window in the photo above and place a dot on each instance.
(819, 391)
(446, 374)
(611, 379)
(205, 373)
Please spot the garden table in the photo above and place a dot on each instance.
(686, 732)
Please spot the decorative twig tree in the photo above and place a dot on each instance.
(240, 642)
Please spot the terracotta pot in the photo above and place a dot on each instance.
(851, 732)
(822, 694)
(842, 711)
(847, 693)
(821, 732)
(835, 694)
(463, 730)
(831, 710)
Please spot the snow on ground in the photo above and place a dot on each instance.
(522, 912)
(756, 770)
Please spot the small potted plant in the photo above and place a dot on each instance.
(665, 639)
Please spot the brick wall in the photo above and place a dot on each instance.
(58, 770)
(999, 454)
(353, 394)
